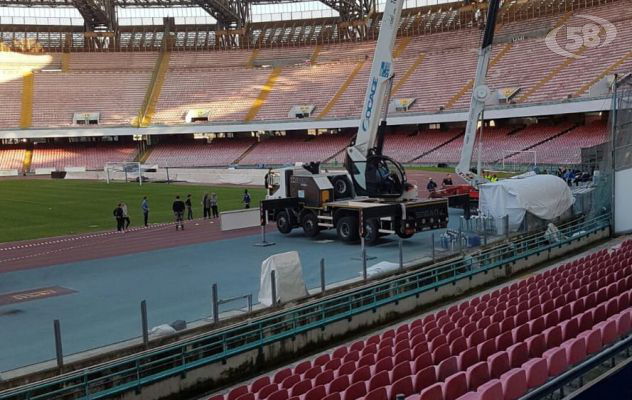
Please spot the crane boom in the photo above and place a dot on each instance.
(374, 174)
(480, 92)
(381, 71)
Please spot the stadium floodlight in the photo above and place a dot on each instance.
(520, 157)
(123, 170)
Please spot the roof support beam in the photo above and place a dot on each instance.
(97, 14)
(350, 9)
(228, 13)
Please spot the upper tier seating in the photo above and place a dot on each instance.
(199, 153)
(89, 155)
(494, 346)
(10, 88)
(116, 95)
(115, 83)
(11, 157)
(114, 61)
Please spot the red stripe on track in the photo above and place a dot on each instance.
(44, 252)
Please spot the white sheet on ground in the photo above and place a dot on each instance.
(289, 278)
(161, 330)
(545, 196)
(381, 268)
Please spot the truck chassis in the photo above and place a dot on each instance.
(367, 217)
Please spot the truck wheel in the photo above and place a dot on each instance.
(371, 231)
(283, 222)
(400, 232)
(405, 235)
(347, 229)
(342, 188)
(310, 225)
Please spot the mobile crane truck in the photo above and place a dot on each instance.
(372, 197)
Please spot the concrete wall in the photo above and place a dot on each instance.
(211, 176)
(237, 368)
(9, 172)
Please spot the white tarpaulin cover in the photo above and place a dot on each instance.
(545, 196)
(289, 278)
(381, 268)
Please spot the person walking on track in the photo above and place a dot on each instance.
(118, 214)
(178, 212)
(189, 207)
(144, 205)
(125, 215)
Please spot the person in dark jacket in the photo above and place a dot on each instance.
(120, 219)
(431, 186)
(213, 200)
(246, 199)
(206, 204)
(447, 181)
(144, 205)
(178, 212)
(189, 205)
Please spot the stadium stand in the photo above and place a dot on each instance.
(497, 345)
(116, 62)
(228, 93)
(92, 155)
(225, 83)
(572, 142)
(197, 153)
(322, 80)
(423, 147)
(502, 142)
(407, 148)
(10, 88)
(11, 157)
(212, 59)
(449, 149)
(10, 61)
(284, 149)
(117, 95)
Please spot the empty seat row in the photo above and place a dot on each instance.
(566, 314)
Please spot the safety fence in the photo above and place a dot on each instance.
(135, 372)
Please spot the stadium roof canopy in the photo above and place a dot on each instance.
(106, 15)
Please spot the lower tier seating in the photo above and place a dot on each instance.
(11, 157)
(494, 346)
(89, 155)
(199, 153)
(288, 149)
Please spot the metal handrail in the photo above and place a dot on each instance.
(153, 365)
(579, 370)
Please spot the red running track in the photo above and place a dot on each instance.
(65, 249)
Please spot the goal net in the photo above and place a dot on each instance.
(123, 171)
(515, 160)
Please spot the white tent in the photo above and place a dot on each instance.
(545, 196)
(289, 278)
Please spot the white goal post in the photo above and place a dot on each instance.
(123, 171)
(520, 157)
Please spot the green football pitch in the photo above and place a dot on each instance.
(36, 208)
